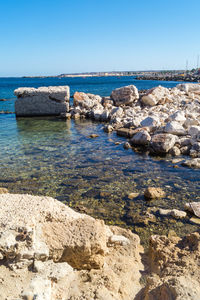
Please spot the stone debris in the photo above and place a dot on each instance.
(168, 119)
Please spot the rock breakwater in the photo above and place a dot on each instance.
(162, 121)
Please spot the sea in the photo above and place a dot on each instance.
(57, 158)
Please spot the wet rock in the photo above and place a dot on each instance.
(195, 221)
(133, 195)
(185, 150)
(3, 190)
(126, 132)
(152, 192)
(52, 100)
(108, 128)
(192, 163)
(175, 151)
(127, 145)
(93, 135)
(123, 132)
(141, 138)
(179, 214)
(193, 207)
(161, 143)
(125, 95)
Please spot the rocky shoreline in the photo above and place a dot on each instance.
(161, 121)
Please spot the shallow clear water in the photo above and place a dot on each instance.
(48, 156)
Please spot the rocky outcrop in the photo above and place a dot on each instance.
(49, 252)
(52, 100)
(174, 269)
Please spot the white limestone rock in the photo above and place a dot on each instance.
(174, 127)
(52, 100)
(125, 95)
(86, 100)
(152, 122)
(178, 116)
(154, 95)
(189, 87)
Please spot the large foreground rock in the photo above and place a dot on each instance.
(49, 252)
(52, 100)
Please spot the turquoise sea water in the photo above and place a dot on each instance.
(48, 156)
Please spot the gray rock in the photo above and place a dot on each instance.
(141, 138)
(52, 100)
(161, 143)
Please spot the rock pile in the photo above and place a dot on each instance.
(164, 121)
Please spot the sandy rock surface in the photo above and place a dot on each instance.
(48, 251)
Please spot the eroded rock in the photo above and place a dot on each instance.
(52, 100)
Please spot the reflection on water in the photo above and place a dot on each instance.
(57, 158)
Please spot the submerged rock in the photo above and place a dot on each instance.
(152, 192)
(193, 207)
(52, 100)
(192, 163)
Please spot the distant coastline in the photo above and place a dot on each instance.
(168, 75)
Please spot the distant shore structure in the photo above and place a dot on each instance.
(166, 75)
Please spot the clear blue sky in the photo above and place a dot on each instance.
(40, 37)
